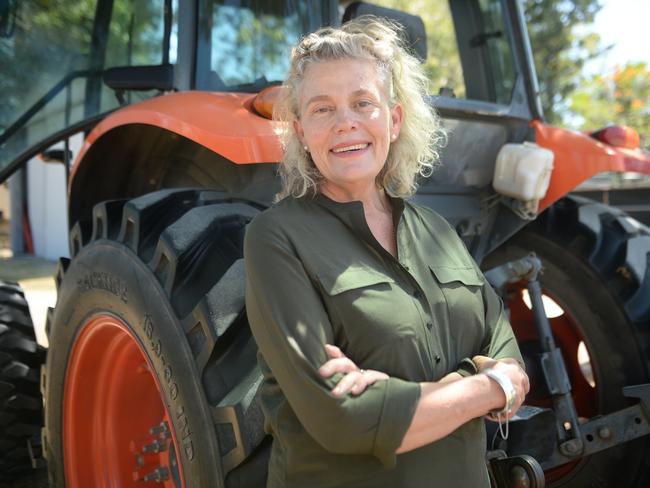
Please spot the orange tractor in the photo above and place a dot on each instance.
(151, 377)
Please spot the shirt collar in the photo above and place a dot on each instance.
(355, 206)
(351, 213)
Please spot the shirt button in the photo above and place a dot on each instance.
(429, 325)
(417, 294)
(437, 358)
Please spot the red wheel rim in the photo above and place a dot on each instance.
(568, 337)
(115, 424)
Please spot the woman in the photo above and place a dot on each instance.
(367, 308)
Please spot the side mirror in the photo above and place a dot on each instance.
(8, 10)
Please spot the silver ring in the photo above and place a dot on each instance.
(362, 371)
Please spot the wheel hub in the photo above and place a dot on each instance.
(115, 424)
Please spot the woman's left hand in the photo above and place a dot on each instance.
(483, 362)
(356, 380)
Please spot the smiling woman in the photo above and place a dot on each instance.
(374, 325)
(380, 76)
(346, 123)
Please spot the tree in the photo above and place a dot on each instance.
(561, 46)
(617, 98)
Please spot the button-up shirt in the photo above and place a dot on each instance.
(316, 275)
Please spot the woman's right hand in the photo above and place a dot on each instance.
(511, 368)
(356, 380)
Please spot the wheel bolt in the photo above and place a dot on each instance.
(158, 475)
(159, 429)
(604, 433)
(139, 459)
(571, 448)
(156, 446)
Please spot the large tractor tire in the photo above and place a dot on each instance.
(151, 375)
(596, 269)
(21, 406)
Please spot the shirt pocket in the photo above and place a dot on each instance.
(462, 288)
(352, 279)
(368, 309)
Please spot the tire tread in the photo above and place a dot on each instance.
(20, 399)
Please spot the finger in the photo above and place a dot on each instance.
(525, 382)
(346, 383)
(333, 351)
(361, 384)
(373, 375)
(368, 378)
(483, 362)
(479, 358)
(337, 365)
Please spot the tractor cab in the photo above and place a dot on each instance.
(68, 66)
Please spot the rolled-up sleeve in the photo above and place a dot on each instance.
(291, 327)
(500, 341)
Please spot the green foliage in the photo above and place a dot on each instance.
(443, 62)
(620, 98)
(54, 37)
(561, 46)
(251, 44)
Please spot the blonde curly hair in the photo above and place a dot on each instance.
(414, 153)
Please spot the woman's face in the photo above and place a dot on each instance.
(346, 122)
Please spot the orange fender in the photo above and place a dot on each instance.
(222, 122)
(578, 157)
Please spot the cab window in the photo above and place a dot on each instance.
(468, 48)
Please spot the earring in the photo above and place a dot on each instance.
(305, 148)
(393, 137)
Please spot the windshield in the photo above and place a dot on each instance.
(245, 45)
(52, 55)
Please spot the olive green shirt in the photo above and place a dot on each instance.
(316, 275)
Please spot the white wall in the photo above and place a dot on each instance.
(48, 205)
(5, 206)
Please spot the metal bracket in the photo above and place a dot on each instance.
(555, 373)
(610, 430)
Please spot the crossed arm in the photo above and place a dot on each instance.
(444, 405)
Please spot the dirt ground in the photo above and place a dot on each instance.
(35, 275)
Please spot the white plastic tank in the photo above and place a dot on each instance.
(523, 171)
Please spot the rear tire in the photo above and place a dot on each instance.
(596, 268)
(21, 407)
(168, 267)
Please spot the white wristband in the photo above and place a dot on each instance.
(506, 385)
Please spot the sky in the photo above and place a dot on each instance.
(625, 23)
